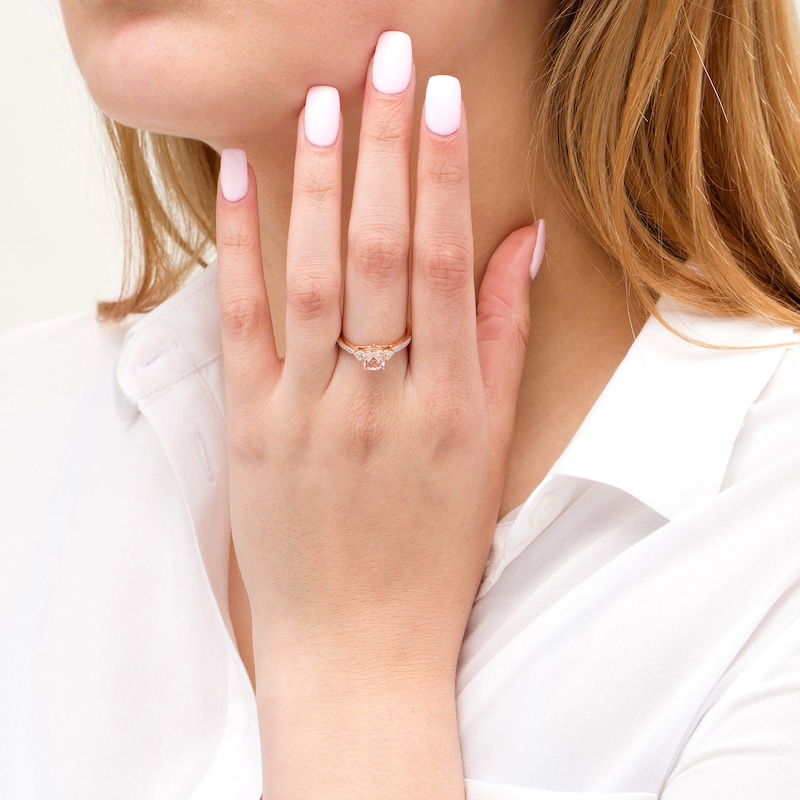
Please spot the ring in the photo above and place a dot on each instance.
(374, 356)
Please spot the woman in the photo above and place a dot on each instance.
(501, 555)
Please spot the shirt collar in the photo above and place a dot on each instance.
(174, 340)
(664, 427)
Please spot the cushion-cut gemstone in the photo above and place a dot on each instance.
(374, 359)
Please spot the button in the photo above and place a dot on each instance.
(544, 511)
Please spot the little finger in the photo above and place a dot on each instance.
(251, 362)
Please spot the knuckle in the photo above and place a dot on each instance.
(388, 131)
(380, 251)
(446, 265)
(312, 294)
(258, 438)
(518, 329)
(242, 318)
(245, 448)
(366, 435)
(447, 171)
(315, 187)
(365, 430)
(234, 239)
(450, 421)
(499, 320)
(247, 434)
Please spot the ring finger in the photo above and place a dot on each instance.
(376, 280)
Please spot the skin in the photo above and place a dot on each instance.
(363, 504)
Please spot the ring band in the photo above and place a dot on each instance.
(374, 356)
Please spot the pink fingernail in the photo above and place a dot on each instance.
(392, 65)
(538, 250)
(233, 175)
(322, 115)
(443, 105)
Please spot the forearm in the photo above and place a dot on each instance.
(329, 731)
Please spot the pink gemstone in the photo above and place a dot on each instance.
(374, 361)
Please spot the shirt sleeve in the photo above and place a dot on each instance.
(748, 744)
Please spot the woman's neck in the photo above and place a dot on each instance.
(582, 324)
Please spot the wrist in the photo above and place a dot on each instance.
(338, 732)
(377, 653)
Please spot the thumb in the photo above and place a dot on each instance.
(504, 322)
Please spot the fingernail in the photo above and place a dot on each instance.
(443, 105)
(322, 115)
(538, 250)
(391, 67)
(233, 175)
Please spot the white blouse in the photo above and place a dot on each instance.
(636, 636)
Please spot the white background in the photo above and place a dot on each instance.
(60, 241)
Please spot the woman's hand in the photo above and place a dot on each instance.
(363, 503)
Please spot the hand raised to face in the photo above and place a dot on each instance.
(363, 501)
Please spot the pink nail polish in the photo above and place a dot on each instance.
(538, 250)
(392, 65)
(443, 105)
(233, 175)
(322, 115)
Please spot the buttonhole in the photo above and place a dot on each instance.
(169, 345)
(201, 451)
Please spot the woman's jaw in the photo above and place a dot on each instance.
(231, 72)
(235, 74)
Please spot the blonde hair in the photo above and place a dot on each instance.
(168, 188)
(672, 126)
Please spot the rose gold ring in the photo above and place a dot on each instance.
(374, 356)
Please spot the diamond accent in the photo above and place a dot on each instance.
(373, 357)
